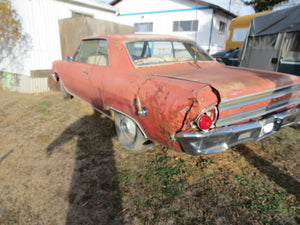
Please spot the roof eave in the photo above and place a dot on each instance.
(94, 4)
(215, 7)
(114, 2)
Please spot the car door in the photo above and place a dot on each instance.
(78, 79)
(100, 68)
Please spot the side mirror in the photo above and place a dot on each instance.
(69, 59)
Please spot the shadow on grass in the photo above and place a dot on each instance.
(94, 195)
(282, 179)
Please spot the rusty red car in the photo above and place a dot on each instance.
(167, 90)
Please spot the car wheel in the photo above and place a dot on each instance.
(129, 133)
(64, 93)
(296, 126)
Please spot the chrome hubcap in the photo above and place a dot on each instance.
(128, 128)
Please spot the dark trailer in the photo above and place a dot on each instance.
(273, 42)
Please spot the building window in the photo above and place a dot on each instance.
(190, 25)
(143, 27)
(222, 27)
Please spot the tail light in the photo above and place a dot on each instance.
(207, 118)
(204, 122)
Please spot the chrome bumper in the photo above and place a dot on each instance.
(220, 139)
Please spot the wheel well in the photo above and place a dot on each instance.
(56, 76)
(113, 111)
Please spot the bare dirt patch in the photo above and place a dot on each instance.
(62, 164)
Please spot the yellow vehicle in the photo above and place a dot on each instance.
(239, 29)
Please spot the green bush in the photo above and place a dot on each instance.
(8, 81)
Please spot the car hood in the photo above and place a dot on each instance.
(229, 81)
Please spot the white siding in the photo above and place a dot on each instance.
(218, 40)
(41, 43)
(163, 13)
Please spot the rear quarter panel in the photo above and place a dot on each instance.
(171, 103)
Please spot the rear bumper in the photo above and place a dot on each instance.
(220, 139)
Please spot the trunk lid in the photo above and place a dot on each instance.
(230, 82)
(244, 93)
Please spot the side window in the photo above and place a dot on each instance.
(135, 49)
(92, 52)
(101, 58)
(87, 49)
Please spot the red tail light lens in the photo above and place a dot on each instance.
(207, 118)
(204, 122)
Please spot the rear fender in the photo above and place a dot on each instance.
(171, 109)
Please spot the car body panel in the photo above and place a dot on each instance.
(173, 94)
(227, 80)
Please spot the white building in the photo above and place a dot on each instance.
(40, 45)
(203, 22)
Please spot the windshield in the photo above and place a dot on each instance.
(155, 52)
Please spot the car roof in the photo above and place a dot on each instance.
(128, 37)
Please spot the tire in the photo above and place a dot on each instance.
(296, 126)
(63, 92)
(129, 133)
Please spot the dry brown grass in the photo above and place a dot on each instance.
(62, 164)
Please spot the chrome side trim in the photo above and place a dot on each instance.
(243, 101)
(235, 118)
(258, 97)
(98, 110)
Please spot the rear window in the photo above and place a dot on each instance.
(162, 51)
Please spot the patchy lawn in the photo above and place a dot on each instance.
(62, 164)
